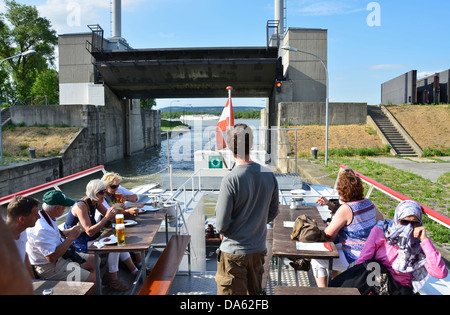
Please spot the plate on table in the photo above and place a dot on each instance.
(148, 208)
(110, 240)
(129, 222)
(126, 223)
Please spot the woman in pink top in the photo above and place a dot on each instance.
(402, 246)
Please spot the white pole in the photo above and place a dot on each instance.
(229, 88)
(327, 95)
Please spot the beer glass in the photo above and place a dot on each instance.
(119, 197)
(119, 218)
(120, 233)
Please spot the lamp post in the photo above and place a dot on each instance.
(25, 53)
(327, 94)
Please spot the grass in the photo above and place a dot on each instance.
(433, 195)
(170, 125)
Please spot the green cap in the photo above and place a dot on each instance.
(57, 198)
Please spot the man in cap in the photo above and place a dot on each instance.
(49, 248)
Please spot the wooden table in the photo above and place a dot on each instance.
(62, 287)
(283, 290)
(138, 238)
(284, 246)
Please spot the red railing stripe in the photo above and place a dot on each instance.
(63, 180)
(427, 210)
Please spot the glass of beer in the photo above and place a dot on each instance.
(119, 197)
(119, 218)
(120, 233)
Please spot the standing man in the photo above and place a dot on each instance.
(248, 200)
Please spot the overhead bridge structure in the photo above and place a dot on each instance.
(188, 72)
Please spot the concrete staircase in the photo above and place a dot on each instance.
(392, 135)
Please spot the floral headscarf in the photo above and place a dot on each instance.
(411, 258)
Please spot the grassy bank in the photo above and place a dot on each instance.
(434, 195)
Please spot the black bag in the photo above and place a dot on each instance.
(71, 254)
(369, 280)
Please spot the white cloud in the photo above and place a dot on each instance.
(425, 74)
(72, 16)
(327, 8)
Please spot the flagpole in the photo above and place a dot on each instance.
(229, 88)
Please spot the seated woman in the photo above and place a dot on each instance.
(113, 187)
(83, 212)
(350, 226)
(112, 181)
(402, 246)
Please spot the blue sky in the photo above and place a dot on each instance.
(412, 35)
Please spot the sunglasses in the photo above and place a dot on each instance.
(113, 186)
(102, 192)
(414, 223)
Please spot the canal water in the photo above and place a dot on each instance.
(138, 169)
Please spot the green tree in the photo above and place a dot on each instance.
(148, 103)
(22, 29)
(45, 90)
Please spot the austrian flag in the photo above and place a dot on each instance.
(226, 120)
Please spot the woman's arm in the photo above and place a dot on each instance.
(81, 212)
(343, 217)
(370, 247)
(435, 265)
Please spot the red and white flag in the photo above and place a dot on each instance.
(226, 121)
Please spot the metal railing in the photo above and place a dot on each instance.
(53, 184)
(432, 214)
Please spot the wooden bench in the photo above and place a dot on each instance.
(268, 260)
(165, 269)
(282, 290)
(62, 287)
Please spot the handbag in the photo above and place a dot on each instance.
(361, 276)
(306, 230)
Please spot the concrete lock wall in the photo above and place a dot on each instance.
(314, 113)
(29, 174)
(101, 139)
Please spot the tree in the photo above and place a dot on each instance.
(22, 29)
(45, 90)
(148, 103)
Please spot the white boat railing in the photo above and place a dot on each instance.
(53, 184)
(432, 214)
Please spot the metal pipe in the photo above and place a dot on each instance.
(279, 15)
(117, 18)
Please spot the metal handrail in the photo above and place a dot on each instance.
(432, 214)
(53, 184)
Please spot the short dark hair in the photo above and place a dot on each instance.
(21, 206)
(240, 140)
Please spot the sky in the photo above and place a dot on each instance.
(369, 42)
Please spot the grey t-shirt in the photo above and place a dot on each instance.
(248, 200)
